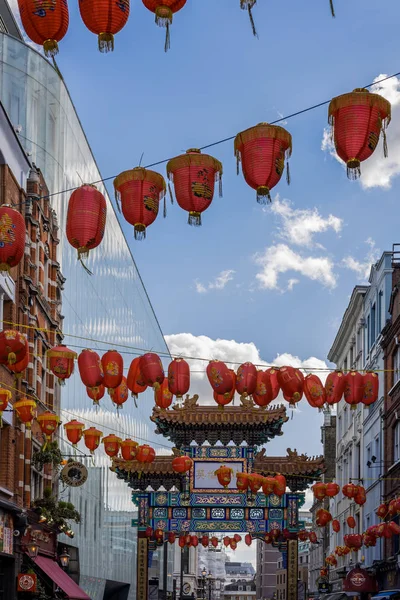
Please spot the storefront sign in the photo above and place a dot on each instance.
(26, 582)
(142, 568)
(6, 532)
(292, 566)
(359, 580)
(45, 539)
(74, 474)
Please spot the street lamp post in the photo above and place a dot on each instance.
(210, 581)
(203, 583)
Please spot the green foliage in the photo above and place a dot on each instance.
(57, 513)
(48, 455)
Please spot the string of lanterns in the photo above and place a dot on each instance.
(47, 25)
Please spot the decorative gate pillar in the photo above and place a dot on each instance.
(292, 569)
(142, 588)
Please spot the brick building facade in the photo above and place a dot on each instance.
(30, 301)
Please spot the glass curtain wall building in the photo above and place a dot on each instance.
(106, 310)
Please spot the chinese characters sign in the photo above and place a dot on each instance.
(142, 567)
(292, 566)
(205, 478)
(6, 532)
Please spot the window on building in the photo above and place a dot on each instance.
(37, 477)
(380, 315)
(340, 427)
(373, 324)
(368, 333)
(396, 442)
(345, 366)
(377, 451)
(351, 356)
(396, 366)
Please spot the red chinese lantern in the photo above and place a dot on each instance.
(164, 11)
(194, 175)
(74, 431)
(319, 490)
(392, 507)
(237, 538)
(90, 368)
(233, 544)
(382, 511)
(145, 454)
(163, 396)
(280, 485)
(195, 541)
(353, 541)
(105, 19)
(263, 392)
(226, 541)
(395, 528)
(303, 535)
(361, 496)
(182, 541)
(323, 517)
(205, 541)
(129, 449)
(96, 393)
(182, 464)
(268, 485)
(178, 377)
(152, 369)
(214, 541)
(273, 378)
(134, 379)
(149, 532)
(219, 377)
(224, 399)
(255, 482)
(92, 437)
(248, 540)
(224, 475)
(351, 522)
(5, 397)
(242, 481)
(246, 379)
(371, 388)
(112, 444)
(262, 150)
(26, 411)
(120, 394)
(86, 219)
(48, 423)
(140, 192)
(113, 366)
(12, 237)
(350, 490)
(60, 361)
(19, 367)
(159, 536)
(171, 537)
(291, 381)
(12, 347)
(357, 119)
(313, 537)
(334, 387)
(332, 489)
(354, 388)
(314, 391)
(45, 23)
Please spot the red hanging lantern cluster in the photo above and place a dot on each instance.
(26, 411)
(86, 219)
(134, 379)
(193, 175)
(74, 431)
(182, 464)
(92, 437)
(45, 23)
(120, 394)
(262, 150)
(354, 388)
(214, 542)
(112, 445)
(331, 560)
(129, 449)
(145, 454)
(242, 481)
(224, 399)
(224, 475)
(12, 237)
(113, 369)
(334, 387)
(332, 489)
(358, 118)
(60, 360)
(13, 347)
(291, 382)
(104, 18)
(335, 525)
(353, 541)
(163, 395)
(96, 393)
(323, 517)
(371, 388)
(248, 539)
(314, 391)
(90, 368)
(178, 377)
(313, 537)
(140, 192)
(220, 378)
(351, 522)
(205, 541)
(48, 423)
(323, 490)
(164, 11)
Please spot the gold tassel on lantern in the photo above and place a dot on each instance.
(50, 48)
(106, 42)
(139, 231)
(164, 16)
(248, 5)
(263, 195)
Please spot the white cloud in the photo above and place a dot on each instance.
(300, 225)
(279, 258)
(187, 344)
(291, 284)
(363, 267)
(379, 171)
(218, 284)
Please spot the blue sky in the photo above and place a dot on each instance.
(217, 80)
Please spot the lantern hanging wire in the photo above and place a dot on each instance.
(332, 8)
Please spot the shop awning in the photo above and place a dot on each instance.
(60, 578)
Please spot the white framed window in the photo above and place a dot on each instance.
(396, 442)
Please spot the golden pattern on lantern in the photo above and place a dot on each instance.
(48, 422)
(26, 411)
